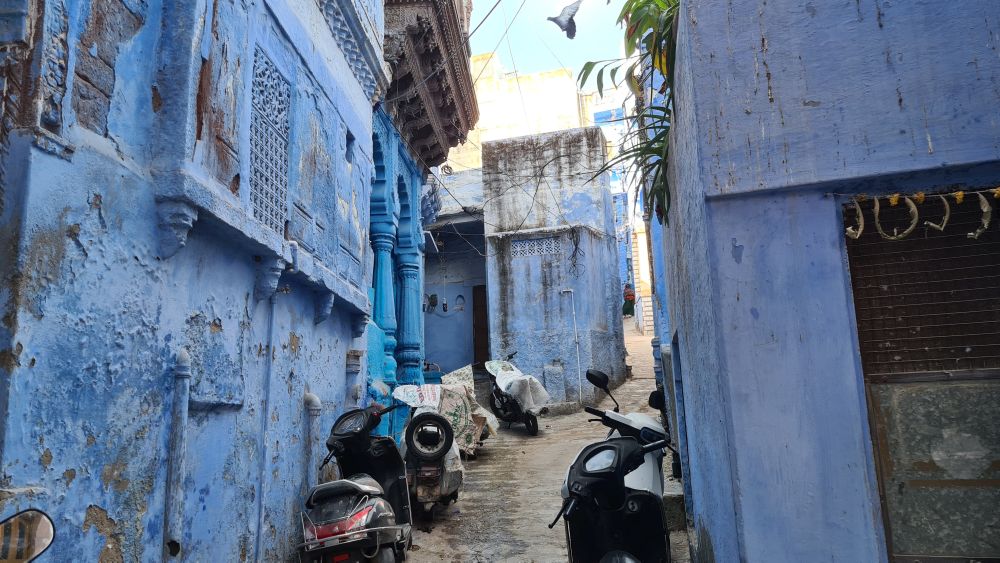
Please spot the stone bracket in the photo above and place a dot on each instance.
(358, 325)
(353, 364)
(175, 220)
(324, 306)
(269, 271)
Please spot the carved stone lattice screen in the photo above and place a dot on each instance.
(535, 247)
(271, 99)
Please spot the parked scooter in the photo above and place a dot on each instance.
(613, 493)
(25, 536)
(439, 415)
(365, 517)
(433, 463)
(516, 397)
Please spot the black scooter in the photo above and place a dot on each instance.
(613, 493)
(365, 517)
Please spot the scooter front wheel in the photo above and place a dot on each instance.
(384, 555)
(531, 424)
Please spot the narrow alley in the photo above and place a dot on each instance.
(511, 491)
(268, 268)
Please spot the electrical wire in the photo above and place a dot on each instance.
(443, 66)
(517, 76)
(494, 51)
(486, 17)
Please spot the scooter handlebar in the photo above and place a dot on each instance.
(388, 410)
(595, 412)
(653, 446)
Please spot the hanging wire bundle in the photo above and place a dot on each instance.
(912, 201)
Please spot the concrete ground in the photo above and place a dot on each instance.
(511, 491)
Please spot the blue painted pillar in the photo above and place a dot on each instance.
(383, 239)
(408, 352)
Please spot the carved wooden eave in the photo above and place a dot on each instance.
(431, 96)
(346, 23)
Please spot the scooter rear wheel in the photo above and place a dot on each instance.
(531, 424)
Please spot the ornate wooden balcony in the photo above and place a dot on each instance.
(430, 97)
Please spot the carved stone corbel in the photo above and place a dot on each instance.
(268, 273)
(176, 218)
(358, 324)
(324, 306)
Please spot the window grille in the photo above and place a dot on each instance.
(535, 247)
(271, 100)
(928, 303)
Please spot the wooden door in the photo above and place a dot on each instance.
(480, 326)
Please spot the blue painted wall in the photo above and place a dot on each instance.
(766, 125)
(451, 275)
(574, 218)
(104, 280)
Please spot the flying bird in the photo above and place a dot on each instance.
(565, 19)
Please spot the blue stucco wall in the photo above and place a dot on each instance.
(574, 219)
(532, 315)
(775, 423)
(101, 287)
(450, 274)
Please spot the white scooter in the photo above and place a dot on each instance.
(613, 493)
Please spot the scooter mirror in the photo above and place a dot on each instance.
(656, 399)
(598, 379)
(24, 536)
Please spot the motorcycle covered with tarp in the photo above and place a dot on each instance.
(516, 397)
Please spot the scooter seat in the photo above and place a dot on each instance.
(355, 484)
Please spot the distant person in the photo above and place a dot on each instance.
(628, 308)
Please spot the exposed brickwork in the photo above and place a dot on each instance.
(110, 24)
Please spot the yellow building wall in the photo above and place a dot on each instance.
(512, 105)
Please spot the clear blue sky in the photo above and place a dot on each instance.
(539, 44)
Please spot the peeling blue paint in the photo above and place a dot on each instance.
(128, 232)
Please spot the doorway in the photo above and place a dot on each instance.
(480, 326)
(455, 309)
(928, 319)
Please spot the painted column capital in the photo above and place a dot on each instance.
(383, 239)
(408, 269)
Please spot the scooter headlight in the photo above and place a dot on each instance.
(601, 460)
(351, 423)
